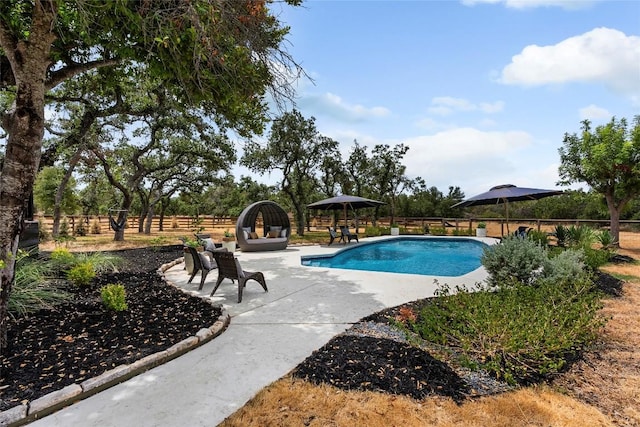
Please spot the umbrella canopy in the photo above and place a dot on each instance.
(343, 202)
(504, 194)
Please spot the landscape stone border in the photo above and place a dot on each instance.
(52, 402)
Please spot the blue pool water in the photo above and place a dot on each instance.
(410, 255)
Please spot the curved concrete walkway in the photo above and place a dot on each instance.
(269, 334)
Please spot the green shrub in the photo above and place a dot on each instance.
(462, 232)
(95, 226)
(521, 333)
(43, 233)
(438, 231)
(562, 234)
(114, 297)
(80, 230)
(101, 262)
(565, 266)
(580, 236)
(539, 237)
(62, 259)
(596, 258)
(605, 238)
(514, 260)
(372, 231)
(81, 274)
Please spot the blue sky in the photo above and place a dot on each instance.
(482, 91)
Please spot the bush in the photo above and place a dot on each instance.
(562, 234)
(114, 297)
(596, 258)
(81, 274)
(581, 236)
(62, 259)
(462, 232)
(605, 238)
(96, 228)
(438, 231)
(101, 262)
(566, 266)
(539, 237)
(374, 231)
(43, 233)
(514, 260)
(80, 230)
(521, 334)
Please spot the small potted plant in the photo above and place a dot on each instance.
(229, 241)
(395, 229)
(188, 260)
(481, 230)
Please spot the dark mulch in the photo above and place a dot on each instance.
(367, 363)
(81, 339)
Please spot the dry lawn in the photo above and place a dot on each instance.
(602, 390)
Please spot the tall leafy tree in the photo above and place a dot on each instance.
(225, 54)
(46, 188)
(359, 171)
(607, 158)
(296, 149)
(388, 177)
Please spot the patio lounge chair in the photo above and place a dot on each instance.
(347, 236)
(229, 268)
(332, 235)
(201, 263)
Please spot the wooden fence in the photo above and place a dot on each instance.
(320, 222)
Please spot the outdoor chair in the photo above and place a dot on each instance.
(522, 231)
(201, 263)
(229, 268)
(347, 236)
(332, 235)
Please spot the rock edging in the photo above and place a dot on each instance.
(52, 402)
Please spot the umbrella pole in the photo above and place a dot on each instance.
(345, 215)
(507, 207)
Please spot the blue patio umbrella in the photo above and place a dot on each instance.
(504, 194)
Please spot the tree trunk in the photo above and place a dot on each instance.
(299, 214)
(614, 215)
(118, 235)
(24, 124)
(147, 225)
(60, 191)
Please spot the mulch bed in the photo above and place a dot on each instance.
(81, 339)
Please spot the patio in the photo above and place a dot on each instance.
(269, 334)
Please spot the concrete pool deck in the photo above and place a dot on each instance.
(270, 333)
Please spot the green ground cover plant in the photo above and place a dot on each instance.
(535, 314)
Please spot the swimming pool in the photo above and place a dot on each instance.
(429, 256)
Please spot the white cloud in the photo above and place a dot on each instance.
(334, 106)
(531, 4)
(601, 55)
(466, 157)
(446, 105)
(593, 112)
